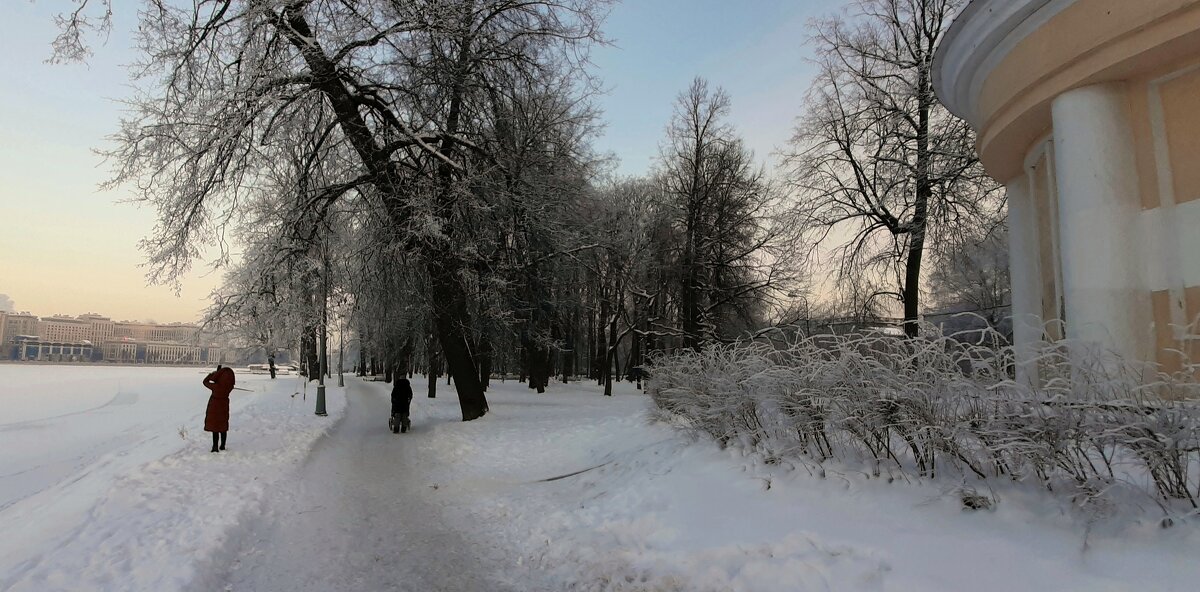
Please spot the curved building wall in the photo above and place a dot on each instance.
(1089, 112)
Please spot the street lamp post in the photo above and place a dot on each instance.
(321, 377)
(324, 363)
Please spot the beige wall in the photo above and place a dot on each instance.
(1176, 345)
(1146, 47)
(1164, 115)
(1163, 108)
(1091, 41)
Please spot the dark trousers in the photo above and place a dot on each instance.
(220, 435)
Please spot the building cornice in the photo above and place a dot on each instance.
(982, 34)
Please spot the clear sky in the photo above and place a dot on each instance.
(66, 247)
(755, 49)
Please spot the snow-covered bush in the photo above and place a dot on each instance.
(935, 405)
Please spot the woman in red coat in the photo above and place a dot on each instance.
(216, 418)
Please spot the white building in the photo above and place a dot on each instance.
(1089, 112)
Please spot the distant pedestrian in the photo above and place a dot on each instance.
(402, 396)
(216, 417)
(271, 365)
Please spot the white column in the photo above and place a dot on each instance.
(1099, 205)
(1025, 277)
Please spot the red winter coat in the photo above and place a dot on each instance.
(220, 382)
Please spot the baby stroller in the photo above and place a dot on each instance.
(402, 396)
(398, 423)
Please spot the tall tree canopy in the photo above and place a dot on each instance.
(430, 113)
(881, 169)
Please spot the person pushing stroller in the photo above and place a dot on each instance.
(402, 396)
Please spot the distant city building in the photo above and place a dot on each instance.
(62, 329)
(18, 323)
(94, 337)
(33, 348)
(120, 351)
(103, 329)
(175, 332)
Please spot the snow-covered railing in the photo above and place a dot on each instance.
(935, 406)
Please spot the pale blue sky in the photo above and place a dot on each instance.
(67, 248)
(754, 49)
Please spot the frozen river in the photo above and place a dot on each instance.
(106, 479)
(74, 425)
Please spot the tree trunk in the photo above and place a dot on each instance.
(432, 365)
(916, 244)
(312, 361)
(485, 360)
(404, 367)
(602, 359)
(610, 361)
(451, 318)
(537, 362)
(449, 296)
(591, 341)
(635, 354)
(362, 356)
(568, 356)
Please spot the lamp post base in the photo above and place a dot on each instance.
(321, 401)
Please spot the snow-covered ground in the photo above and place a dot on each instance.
(656, 510)
(568, 490)
(106, 481)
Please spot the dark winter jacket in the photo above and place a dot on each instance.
(402, 396)
(220, 382)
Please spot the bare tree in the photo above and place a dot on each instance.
(724, 210)
(619, 219)
(87, 17)
(399, 92)
(879, 165)
(972, 275)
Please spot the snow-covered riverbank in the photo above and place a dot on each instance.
(107, 482)
(569, 490)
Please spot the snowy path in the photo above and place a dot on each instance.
(573, 490)
(363, 515)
